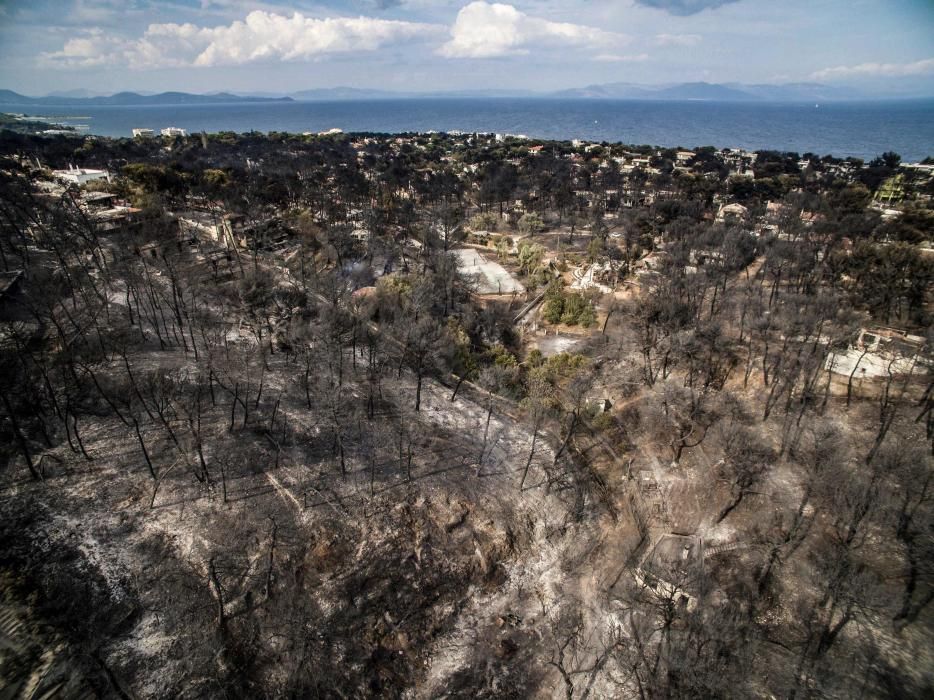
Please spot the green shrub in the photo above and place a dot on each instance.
(574, 307)
(484, 222)
(553, 310)
(502, 357)
(571, 309)
(587, 317)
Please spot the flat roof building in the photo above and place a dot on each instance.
(79, 176)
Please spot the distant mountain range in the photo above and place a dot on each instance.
(713, 92)
(730, 92)
(130, 98)
(348, 93)
(345, 93)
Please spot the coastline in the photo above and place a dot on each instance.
(843, 129)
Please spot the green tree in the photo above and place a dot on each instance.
(530, 257)
(486, 221)
(503, 246)
(553, 309)
(530, 224)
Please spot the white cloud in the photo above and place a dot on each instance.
(868, 70)
(617, 58)
(260, 36)
(264, 35)
(677, 39)
(92, 49)
(485, 30)
(79, 53)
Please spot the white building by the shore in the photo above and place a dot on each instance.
(683, 157)
(173, 131)
(143, 133)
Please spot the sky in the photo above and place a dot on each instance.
(882, 47)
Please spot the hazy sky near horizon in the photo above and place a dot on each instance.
(880, 46)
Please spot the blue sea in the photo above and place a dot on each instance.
(860, 129)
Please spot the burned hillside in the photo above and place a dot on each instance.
(444, 416)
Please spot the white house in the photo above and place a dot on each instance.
(79, 176)
(143, 133)
(173, 131)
